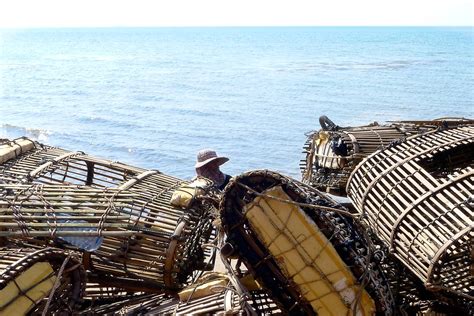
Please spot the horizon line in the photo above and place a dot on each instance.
(229, 26)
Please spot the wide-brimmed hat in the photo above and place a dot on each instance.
(205, 156)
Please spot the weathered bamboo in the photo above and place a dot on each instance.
(12, 149)
(417, 197)
(332, 153)
(69, 196)
(213, 297)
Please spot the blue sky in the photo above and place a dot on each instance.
(103, 13)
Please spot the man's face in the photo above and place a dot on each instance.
(213, 165)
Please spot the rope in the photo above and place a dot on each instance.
(306, 205)
(17, 208)
(108, 210)
(48, 209)
(23, 292)
(55, 286)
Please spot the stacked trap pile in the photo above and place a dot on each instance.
(137, 252)
(305, 250)
(332, 153)
(90, 236)
(417, 196)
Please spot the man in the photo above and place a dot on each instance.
(207, 166)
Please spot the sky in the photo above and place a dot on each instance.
(126, 13)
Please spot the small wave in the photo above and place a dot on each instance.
(381, 65)
(79, 57)
(95, 119)
(391, 65)
(13, 131)
(114, 123)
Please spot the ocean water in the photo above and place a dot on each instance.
(153, 97)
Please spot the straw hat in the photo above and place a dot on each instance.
(205, 156)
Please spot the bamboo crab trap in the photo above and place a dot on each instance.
(47, 281)
(304, 248)
(119, 216)
(332, 153)
(417, 196)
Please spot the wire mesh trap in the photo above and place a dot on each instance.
(306, 250)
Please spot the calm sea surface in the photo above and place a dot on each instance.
(152, 97)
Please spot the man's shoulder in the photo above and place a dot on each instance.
(226, 181)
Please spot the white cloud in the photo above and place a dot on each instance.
(44, 13)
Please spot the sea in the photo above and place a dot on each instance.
(153, 97)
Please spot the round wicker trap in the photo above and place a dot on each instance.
(417, 196)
